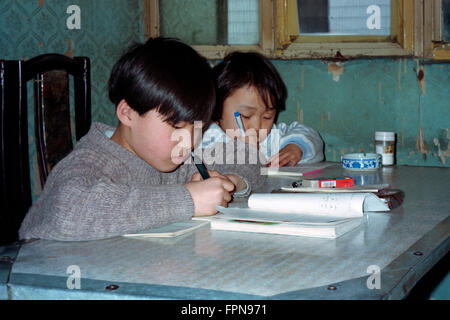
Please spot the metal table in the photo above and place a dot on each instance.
(402, 244)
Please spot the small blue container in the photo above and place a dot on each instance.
(361, 161)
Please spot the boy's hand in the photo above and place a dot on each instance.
(289, 154)
(208, 193)
(212, 173)
(237, 181)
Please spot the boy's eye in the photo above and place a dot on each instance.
(179, 125)
(245, 117)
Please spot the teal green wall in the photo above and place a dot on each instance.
(372, 95)
(32, 27)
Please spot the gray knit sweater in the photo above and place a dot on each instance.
(102, 190)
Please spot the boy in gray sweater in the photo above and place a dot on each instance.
(133, 177)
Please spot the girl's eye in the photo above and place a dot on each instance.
(245, 117)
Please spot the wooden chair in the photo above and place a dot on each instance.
(52, 122)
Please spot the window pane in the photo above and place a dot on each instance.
(446, 20)
(209, 22)
(344, 17)
(243, 22)
(191, 21)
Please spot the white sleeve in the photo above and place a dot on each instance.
(303, 136)
(213, 135)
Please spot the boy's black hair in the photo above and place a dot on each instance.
(167, 75)
(239, 69)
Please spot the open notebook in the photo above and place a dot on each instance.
(324, 215)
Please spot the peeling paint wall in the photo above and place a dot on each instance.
(347, 105)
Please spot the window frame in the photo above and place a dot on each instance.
(434, 46)
(412, 37)
(403, 23)
(266, 37)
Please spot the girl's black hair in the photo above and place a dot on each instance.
(167, 75)
(239, 69)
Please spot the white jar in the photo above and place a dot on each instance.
(385, 145)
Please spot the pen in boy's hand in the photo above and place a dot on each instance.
(201, 167)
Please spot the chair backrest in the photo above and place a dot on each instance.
(52, 123)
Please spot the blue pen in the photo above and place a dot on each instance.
(200, 167)
(237, 116)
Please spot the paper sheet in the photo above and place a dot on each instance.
(271, 216)
(297, 171)
(343, 205)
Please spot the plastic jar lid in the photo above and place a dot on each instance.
(385, 136)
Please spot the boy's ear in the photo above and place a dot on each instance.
(124, 112)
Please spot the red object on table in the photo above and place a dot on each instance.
(336, 183)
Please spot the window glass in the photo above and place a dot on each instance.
(446, 20)
(192, 21)
(344, 17)
(243, 22)
(210, 22)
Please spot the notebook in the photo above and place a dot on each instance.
(170, 230)
(301, 214)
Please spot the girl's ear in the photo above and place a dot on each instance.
(124, 113)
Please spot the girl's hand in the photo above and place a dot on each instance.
(290, 154)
